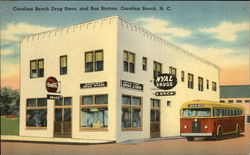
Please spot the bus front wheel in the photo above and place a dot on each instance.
(219, 134)
(190, 138)
(237, 132)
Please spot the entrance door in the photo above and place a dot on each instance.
(62, 124)
(155, 118)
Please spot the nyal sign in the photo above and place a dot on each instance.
(165, 81)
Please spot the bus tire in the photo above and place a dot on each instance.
(219, 134)
(190, 138)
(237, 132)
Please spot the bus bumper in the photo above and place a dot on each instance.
(196, 134)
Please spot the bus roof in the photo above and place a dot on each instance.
(212, 104)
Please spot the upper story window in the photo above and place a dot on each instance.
(172, 71)
(214, 86)
(157, 69)
(207, 84)
(63, 65)
(190, 80)
(128, 62)
(36, 68)
(144, 63)
(200, 83)
(94, 61)
(182, 76)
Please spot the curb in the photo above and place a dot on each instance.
(55, 142)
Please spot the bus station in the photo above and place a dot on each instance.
(108, 79)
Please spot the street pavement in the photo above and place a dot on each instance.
(230, 145)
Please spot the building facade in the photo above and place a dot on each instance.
(238, 94)
(104, 72)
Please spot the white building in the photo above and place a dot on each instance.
(238, 94)
(105, 70)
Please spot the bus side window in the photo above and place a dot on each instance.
(218, 112)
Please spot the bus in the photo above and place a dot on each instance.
(200, 118)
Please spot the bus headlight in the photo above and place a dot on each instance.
(206, 127)
(185, 126)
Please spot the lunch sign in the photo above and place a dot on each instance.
(165, 82)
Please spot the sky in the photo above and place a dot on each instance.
(216, 31)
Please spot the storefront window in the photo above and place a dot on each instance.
(131, 112)
(36, 114)
(94, 112)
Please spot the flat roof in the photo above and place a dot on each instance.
(171, 45)
(235, 91)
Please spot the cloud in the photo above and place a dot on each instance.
(9, 69)
(7, 52)
(13, 31)
(220, 56)
(163, 27)
(226, 30)
(234, 68)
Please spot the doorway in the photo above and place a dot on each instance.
(62, 123)
(155, 118)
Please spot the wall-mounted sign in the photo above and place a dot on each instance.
(165, 93)
(165, 81)
(51, 84)
(53, 97)
(131, 85)
(93, 85)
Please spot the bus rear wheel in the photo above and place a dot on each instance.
(190, 138)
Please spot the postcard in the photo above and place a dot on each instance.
(125, 77)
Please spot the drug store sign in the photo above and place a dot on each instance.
(165, 82)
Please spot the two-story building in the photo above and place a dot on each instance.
(95, 80)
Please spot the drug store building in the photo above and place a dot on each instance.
(95, 80)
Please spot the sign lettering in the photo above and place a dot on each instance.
(165, 81)
(131, 85)
(165, 93)
(51, 84)
(93, 85)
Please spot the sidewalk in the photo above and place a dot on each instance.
(10, 138)
(6, 138)
(138, 141)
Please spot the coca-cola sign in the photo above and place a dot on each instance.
(51, 84)
(165, 81)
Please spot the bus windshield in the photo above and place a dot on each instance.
(197, 112)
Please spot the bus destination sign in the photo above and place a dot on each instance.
(195, 105)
